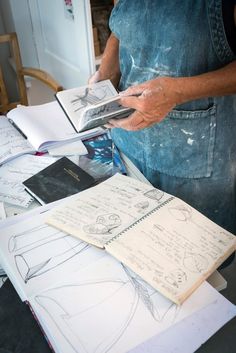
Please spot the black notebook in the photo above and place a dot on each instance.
(61, 179)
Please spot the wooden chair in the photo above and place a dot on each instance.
(21, 72)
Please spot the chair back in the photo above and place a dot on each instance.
(21, 72)
(5, 105)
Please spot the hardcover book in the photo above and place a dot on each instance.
(91, 106)
(61, 179)
(168, 243)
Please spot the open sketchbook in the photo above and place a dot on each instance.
(169, 244)
(27, 129)
(84, 299)
(91, 106)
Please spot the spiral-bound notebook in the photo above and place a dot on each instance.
(161, 238)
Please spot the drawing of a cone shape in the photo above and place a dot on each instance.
(97, 323)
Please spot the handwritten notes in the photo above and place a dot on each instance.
(161, 238)
(103, 211)
(12, 143)
(14, 173)
(175, 248)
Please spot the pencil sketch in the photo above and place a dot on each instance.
(181, 213)
(104, 224)
(195, 263)
(176, 278)
(94, 310)
(142, 206)
(41, 249)
(90, 96)
(154, 194)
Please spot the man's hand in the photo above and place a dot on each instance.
(96, 77)
(152, 101)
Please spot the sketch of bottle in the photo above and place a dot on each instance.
(41, 249)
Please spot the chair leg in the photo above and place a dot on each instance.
(3, 95)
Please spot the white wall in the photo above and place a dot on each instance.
(9, 74)
(17, 18)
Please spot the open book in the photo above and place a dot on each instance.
(85, 300)
(169, 244)
(27, 129)
(91, 106)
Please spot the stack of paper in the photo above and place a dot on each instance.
(87, 301)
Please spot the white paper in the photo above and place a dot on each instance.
(45, 125)
(13, 173)
(189, 334)
(107, 209)
(108, 301)
(69, 149)
(35, 255)
(162, 238)
(12, 143)
(2, 211)
(109, 309)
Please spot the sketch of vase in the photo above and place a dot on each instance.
(41, 249)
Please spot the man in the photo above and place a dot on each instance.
(180, 57)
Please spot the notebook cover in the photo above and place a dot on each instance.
(61, 179)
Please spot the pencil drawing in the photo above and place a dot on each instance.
(104, 224)
(41, 249)
(96, 297)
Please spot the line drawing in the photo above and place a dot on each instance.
(98, 297)
(41, 249)
(104, 224)
(154, 194)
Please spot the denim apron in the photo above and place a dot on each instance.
(192, 152)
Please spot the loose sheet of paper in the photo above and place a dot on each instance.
(189, 334)
(13, 173)
(36, 255)
(113, 306)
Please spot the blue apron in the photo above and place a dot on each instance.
(192, 152)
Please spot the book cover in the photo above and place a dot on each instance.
(61, 179)
(89, 107)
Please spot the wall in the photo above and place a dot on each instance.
(6, 25)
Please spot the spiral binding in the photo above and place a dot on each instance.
(140, 219)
